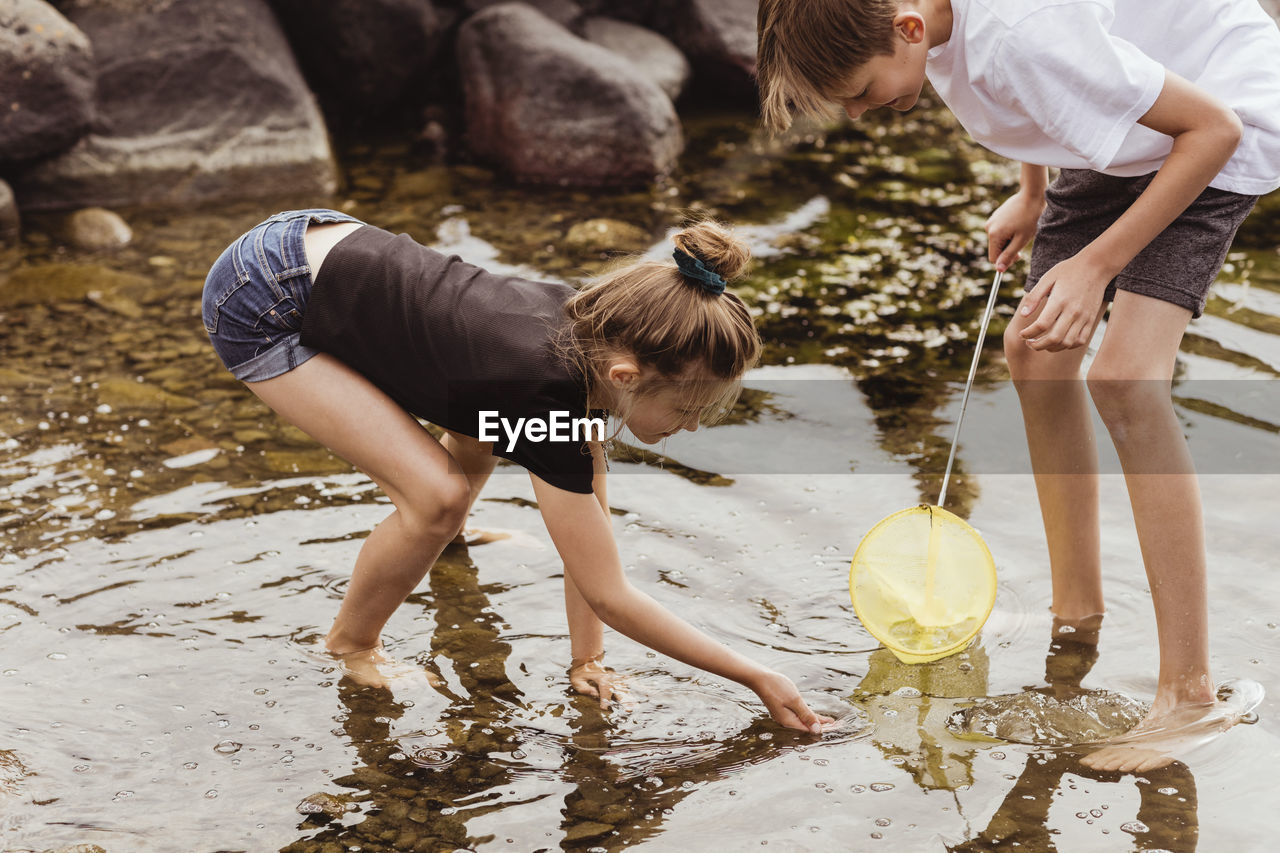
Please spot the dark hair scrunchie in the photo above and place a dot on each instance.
(708, 279)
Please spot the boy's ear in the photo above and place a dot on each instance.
(910, 26)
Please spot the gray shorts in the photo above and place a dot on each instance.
(1178, 266)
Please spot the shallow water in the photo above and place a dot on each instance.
(173, 553)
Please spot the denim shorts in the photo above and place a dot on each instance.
(1178, 266)
(255, 295)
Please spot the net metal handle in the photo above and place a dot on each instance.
(968, 385)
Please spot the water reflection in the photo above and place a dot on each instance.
(482, 750)
(1166, 817)
(418, 792)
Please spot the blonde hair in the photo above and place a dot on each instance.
(807, 48)
(695, 340)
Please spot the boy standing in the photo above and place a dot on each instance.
(1164, 118)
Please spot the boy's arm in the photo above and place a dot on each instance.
(583, 536)
(1013, 224)
(1205, 134)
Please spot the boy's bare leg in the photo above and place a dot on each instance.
(349, 415)
(1057, 416)
(1130, 381)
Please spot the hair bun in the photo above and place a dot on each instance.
(716, 246)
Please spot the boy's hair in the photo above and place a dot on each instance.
(695, 340)
(808, 48)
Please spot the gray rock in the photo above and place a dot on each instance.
(10, 225)
(195, 101)
(718, 37)
(566, 13)
(636, 11)
(364, 58)
(96, 228)
(655, 56)
(46, 81)
(552, 108)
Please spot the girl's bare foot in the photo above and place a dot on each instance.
(1165, 734)
(374, 668)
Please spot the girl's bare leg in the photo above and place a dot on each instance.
(477, 462)
(1059, 426)
(430, 491)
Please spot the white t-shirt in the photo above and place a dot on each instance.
(1063, 82)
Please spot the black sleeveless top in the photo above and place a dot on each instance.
(446, 340)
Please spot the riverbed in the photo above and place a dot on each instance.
(172, 553)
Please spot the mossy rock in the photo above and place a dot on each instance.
(318, 461)
(435, 182)
(45, 283)
(607, 235)
(586, 830)
(127, 395)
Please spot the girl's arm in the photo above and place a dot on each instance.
(1205, 135)
(583, 536)
(586, 631)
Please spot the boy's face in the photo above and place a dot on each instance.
(890, 80)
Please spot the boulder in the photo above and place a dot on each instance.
(9, 222)
(196, 101)
(718, 37)
(364, 58)
(635, 11)
(655, 56)
(46, 81)
(553, 108)
(566, 13)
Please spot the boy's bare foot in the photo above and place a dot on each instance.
(374, 668)
(472, 536)
(1164, 735)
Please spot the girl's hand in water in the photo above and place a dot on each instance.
(590, 677)
(781, 697)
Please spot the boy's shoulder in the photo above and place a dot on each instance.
(988, 18)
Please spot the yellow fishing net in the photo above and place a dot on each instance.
(923, 583)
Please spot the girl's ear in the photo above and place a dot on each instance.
(623, 373)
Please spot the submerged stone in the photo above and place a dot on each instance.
(127, 395)
(601, 235)
(331, 805)
(586, 830)
(1038, 718)
(45, 283)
